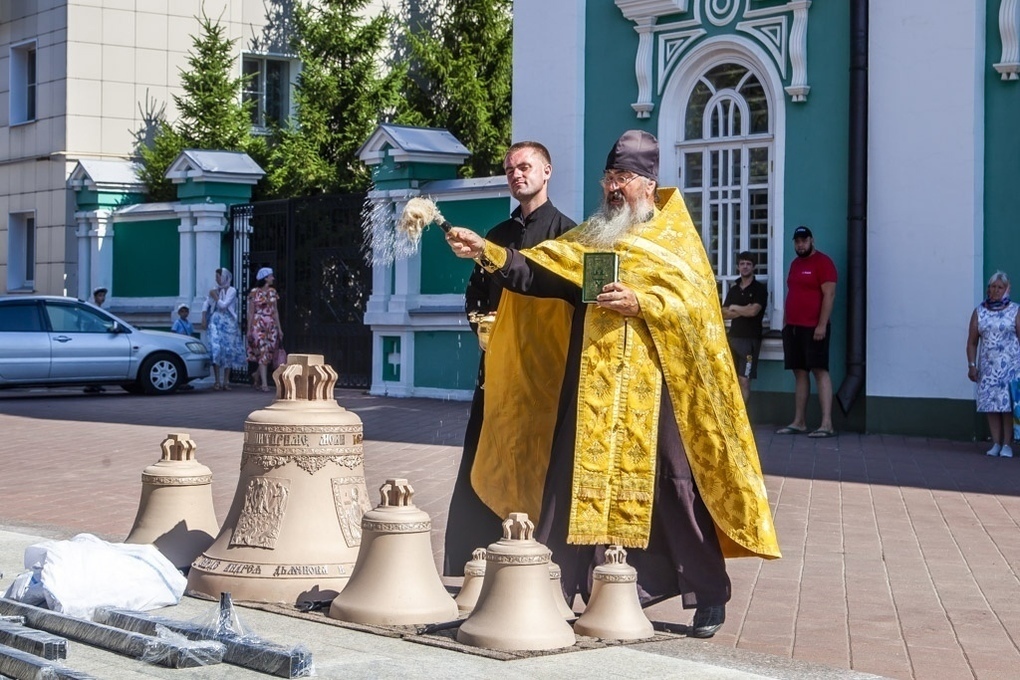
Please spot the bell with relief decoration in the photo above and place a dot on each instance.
(395, 581)
(515, 610)
(474, 576)
(294, 527)
(614, 610)
(175, 512)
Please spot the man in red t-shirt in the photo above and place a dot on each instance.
(811, 292)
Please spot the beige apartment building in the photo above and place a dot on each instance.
(82, 80)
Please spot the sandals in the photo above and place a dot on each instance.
(263, 388)
(217, 387)
(790, 429)
(822, 434)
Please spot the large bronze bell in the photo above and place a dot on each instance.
(175, 512)
(395, 581)
(294, 527)
(614, 610)
(515, 610)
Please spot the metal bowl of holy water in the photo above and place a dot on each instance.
(484, 323)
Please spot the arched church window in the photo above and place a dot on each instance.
(726, 167)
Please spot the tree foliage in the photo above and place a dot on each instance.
(459, 71)
(211, 114)
(341, 94)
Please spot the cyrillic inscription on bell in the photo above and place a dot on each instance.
(294, 526)
(175, 512)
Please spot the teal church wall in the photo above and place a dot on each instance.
(441, 270)
(459, 367)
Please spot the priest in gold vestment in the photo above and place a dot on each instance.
(621, 421)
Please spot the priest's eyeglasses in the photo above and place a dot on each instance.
(611, 181)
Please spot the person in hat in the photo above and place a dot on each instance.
(99, 296)
(810, 295)
(470, 523)
(181, 324)
(621, 421)
(264, 332)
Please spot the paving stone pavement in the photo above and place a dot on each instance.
(901, 555)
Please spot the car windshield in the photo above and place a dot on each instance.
(77, 319)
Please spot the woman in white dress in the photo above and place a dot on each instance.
(224, 335)
(995, 330)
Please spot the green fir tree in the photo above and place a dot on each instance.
(212, 115)
(341, 94)
(459, 56)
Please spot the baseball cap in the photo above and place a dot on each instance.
(802, 232)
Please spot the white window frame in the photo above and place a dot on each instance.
(24, 83)
(672, 123)
(22, 251)
(258, 89)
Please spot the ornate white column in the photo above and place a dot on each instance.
(1009, 30)
(209, 223)
(84, 254)
(186, 283)
(643, 67)
(798, 89)
(101, 252)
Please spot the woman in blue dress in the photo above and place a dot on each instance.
(995, 326)
(219, 316)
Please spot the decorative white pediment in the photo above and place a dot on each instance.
(635, 10)
(781, 30)
(119, 176)
(1009, 30)
(200, 165)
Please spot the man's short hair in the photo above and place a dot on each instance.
(537, 147)
(747, 256)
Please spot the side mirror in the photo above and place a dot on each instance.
(116, 328)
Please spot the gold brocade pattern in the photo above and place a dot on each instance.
(679, 339)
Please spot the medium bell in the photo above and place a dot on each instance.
(515, 610)
(474, 576)
(395, 581)
(556, 587)
(294, 527)
(614, 610)
(175, 512)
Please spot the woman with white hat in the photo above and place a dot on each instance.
(264, 331)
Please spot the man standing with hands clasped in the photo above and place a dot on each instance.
(811, 292)
(745, 307)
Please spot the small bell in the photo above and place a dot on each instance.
(614, 610)
(474, 576)
(515, 610)
(395, 581)
(175, 512)
(555, 584)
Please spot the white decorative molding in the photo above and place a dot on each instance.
(781, 30)
(1009, 31)
(643, 9)
(798, 89)
(643, 67)
(671, 49)
(773, 34)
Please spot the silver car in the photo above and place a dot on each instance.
(46, 340)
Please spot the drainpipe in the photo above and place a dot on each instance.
(857, 209)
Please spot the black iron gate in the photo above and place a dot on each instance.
(315, 247)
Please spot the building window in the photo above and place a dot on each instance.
(725, 158)
(267, 90)
(21, 251)
(23, 83)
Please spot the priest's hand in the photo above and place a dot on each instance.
(465, 243)
(619, 298)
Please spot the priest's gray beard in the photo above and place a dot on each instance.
(608, 225)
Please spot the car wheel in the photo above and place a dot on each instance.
(161, 374)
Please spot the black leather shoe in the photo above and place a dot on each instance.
(707, 620)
